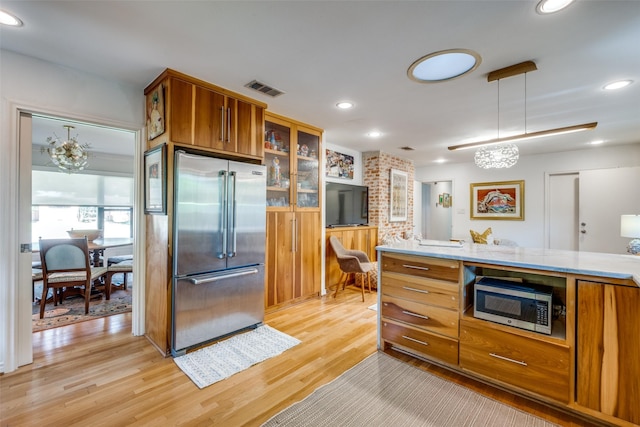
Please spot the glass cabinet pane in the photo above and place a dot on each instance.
(308, 179)
(277, 159)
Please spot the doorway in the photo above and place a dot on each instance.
(436, 210)
(584, 209)
(108, 156)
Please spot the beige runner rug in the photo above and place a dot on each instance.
(383, 391)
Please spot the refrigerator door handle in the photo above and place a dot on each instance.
(223, 215)
(210, 279)
(231, 252)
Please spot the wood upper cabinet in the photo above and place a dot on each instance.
(292, 152)
(608, 349)
(206, 116)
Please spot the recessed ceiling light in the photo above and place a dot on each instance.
(546, 7)
(597, 142)
(374, 134)
(344, 105)
(8, 19)
(440, 160)
(443, 65)
(617, 85)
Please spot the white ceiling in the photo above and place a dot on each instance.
(322, 52)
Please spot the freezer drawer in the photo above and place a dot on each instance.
(208, 306)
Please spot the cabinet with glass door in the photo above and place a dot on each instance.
(292, 152)
(293, 255)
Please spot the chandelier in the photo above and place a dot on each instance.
(497, 156)
(69, 155)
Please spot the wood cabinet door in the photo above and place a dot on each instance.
(608, 349)
(209, 125)
(279, 271)
(180, 111)
(332, 268)
(248, 128)
(307, 254)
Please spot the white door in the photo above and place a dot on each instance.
(605, 194)
(562, 199)
(25, 285)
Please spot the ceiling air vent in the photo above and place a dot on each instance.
(261, 87)
(407, 148)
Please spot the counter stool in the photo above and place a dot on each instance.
(123, 267)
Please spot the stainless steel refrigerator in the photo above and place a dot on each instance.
(218, 249)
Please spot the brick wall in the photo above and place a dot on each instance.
(377, 176)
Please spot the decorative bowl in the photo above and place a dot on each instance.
(91, 234)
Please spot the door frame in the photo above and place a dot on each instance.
(16, 312)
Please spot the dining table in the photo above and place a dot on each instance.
(97, 247)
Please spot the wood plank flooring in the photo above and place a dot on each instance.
(96, 373)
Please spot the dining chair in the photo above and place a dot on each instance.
(352, 261)
(124, 267)
(65, 264)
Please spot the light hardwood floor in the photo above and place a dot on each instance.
(96, 373)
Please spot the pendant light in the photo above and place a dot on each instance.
(69, 155)
(501, 152)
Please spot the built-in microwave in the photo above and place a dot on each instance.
(515, 304)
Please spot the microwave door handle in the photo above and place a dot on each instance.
(232, 215)
(223, 213)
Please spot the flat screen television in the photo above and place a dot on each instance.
(346, 205)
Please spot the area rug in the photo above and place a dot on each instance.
(225, 358)
(383, 391)
(72, 310)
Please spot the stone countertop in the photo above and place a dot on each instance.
(573, 262)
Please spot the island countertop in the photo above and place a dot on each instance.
(572, 262)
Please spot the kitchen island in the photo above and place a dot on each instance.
(588, 363)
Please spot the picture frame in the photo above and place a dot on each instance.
(338, 165)
(155, 180)
(399, 187)
(446, 200)
(497, 200)
(155, 113)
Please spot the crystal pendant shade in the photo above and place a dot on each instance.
(69, 155)
(497, 156)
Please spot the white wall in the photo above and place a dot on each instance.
(532, 170)
(34, 85)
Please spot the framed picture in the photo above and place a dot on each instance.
(155, 180)
(155, 113)
(399, 193)
(446, 200)
(497, 200)
(339, 165)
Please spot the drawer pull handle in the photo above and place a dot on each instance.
(415, 267)
(408, 313)
(422, 291)
(497, 356)
(415, 340)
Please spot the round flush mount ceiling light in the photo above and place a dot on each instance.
(617, 85)
(444, 65)
(546, 7)
(344, 105)
(8, 19)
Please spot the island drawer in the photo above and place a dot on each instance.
(429, 345)
(428, 291)
(433, 318)
(435, 268)
(537, 366)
